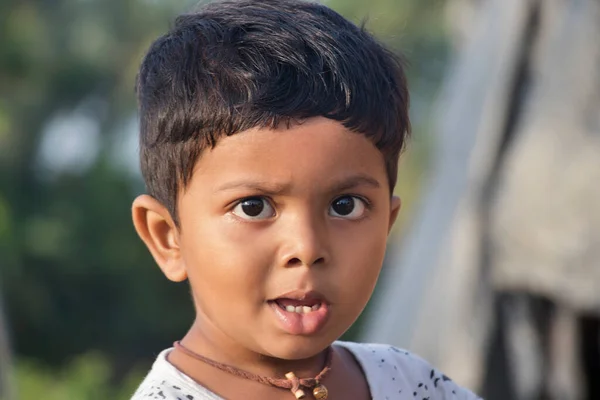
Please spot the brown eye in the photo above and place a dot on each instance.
(349, 207)
(254, 208)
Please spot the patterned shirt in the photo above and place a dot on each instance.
(391, 373)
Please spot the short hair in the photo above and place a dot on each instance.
(234, 65)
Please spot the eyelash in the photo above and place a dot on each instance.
(243, 199)
(368, 204)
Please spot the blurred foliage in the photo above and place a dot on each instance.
(87, 377)
(82, 293)
(73, 273)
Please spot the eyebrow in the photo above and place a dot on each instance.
(279, 188)
(355, 181)
(258, 186)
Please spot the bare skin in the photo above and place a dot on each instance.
(345, 381)
(271, 217)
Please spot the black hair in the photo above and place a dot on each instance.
(234, 65)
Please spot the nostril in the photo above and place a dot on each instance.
(297, 262)
(294, 261)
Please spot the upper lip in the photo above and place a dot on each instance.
(303, 295)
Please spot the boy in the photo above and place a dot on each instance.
(270, 135)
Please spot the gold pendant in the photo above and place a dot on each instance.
(320, 392)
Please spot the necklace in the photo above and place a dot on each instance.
(293, 383)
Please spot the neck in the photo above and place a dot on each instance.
(222, 349)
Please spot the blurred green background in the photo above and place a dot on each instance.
(82, 296)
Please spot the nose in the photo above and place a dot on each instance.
(304, 242)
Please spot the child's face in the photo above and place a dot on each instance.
(271, 215)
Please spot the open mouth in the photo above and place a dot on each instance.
(301, 313)
(298, 306)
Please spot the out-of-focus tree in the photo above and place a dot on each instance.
(5, 359)
(74, 275)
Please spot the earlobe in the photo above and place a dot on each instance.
(156, 228)
(395, 205)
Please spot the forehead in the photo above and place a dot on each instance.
(307, 155)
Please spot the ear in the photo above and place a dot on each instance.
(395, 205)
(158, 231)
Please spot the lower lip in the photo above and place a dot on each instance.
(301, 324)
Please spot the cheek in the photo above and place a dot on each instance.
(225, 257)
(360, 254)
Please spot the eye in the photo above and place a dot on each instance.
(349, 207)
(254, 208)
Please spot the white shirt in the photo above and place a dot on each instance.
(391, 373)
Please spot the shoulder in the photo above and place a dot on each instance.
(391, 370)
(165, 382)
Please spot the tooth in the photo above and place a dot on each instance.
(290, 308)
(306, 309)
(299, 309)
(315, 307)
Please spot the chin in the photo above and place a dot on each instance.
(297, 347)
